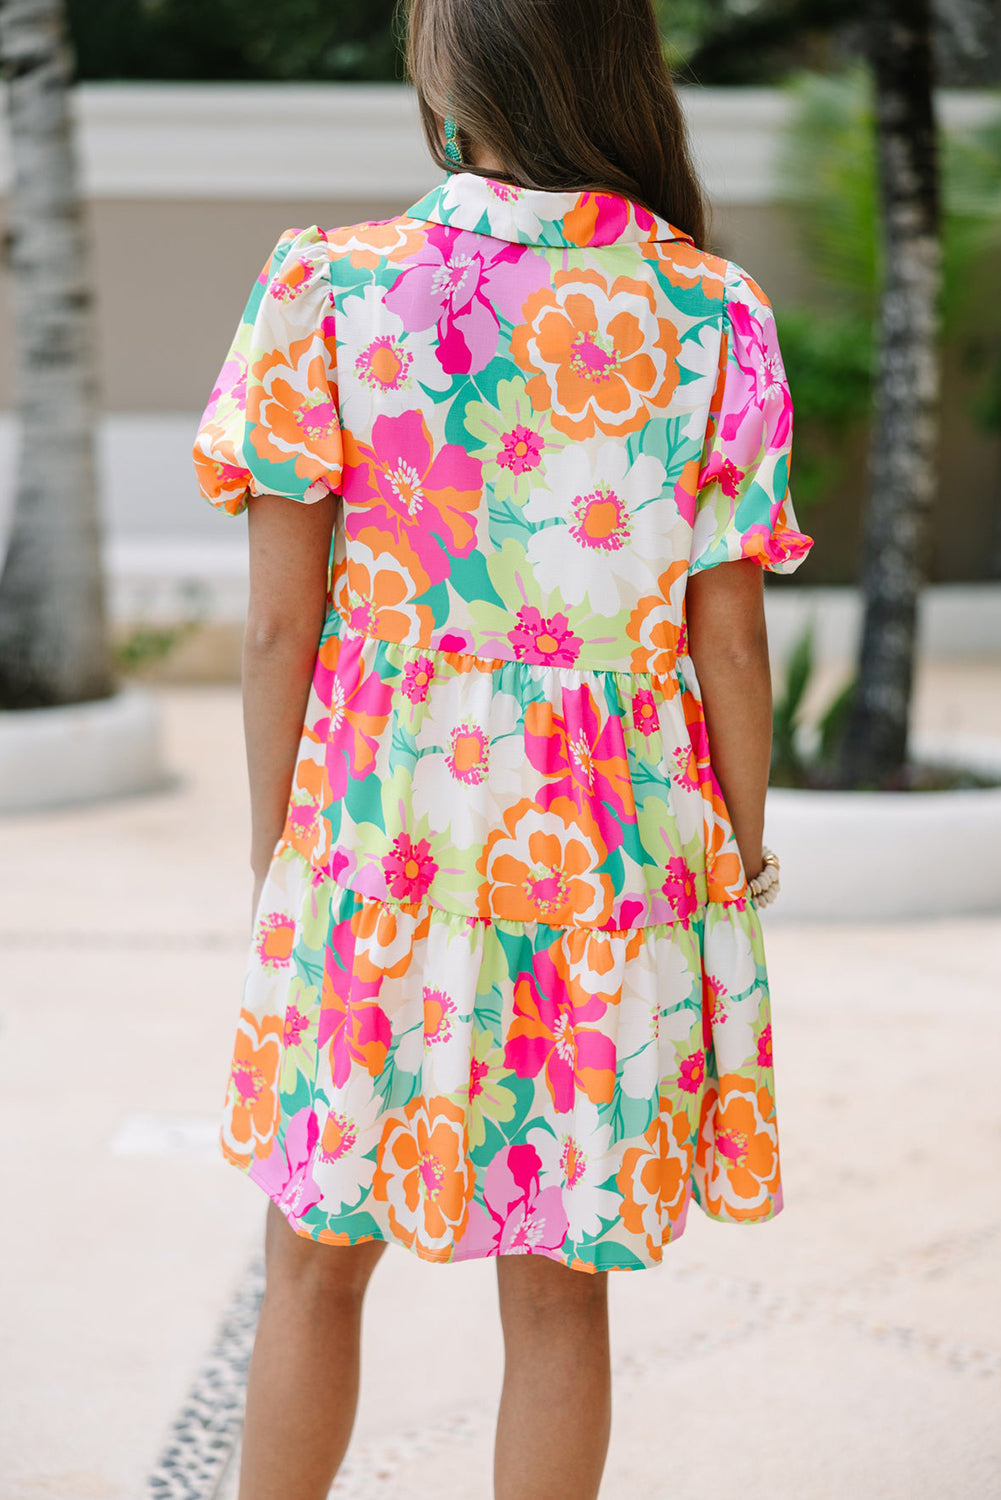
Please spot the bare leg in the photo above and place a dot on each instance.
(555, 1412)
(302, 1389)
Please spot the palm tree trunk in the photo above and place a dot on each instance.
(902, 462)
(53, 636)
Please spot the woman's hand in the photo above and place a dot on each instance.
(728, 644)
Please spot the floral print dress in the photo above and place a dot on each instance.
(506, 992)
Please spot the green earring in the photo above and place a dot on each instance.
(452, 148)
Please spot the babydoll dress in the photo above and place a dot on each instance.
(505, 991)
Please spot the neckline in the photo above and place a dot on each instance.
(541, 216)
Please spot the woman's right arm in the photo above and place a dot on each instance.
(728, 644)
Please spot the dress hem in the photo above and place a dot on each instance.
(572, 1263)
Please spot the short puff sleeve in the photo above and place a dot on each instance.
(743, 507)
(272, 424)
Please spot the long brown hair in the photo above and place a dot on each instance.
(571, 95)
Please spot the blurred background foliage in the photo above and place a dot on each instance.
(829, 167)
(707, 41)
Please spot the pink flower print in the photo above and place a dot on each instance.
(602, 218)
(477, 1072)
(773, 547)
(316, 418)
(292, 280)
(516, 1218)
(765, 1047)
(359, 703)
(686, 772)
(384, 364)
(759, 391)
(584, 759)
(732, 1146)
(693, 1071)
(468, 755)
(521, 450)
(601, 521)
(439, 1009)
(232, 382)
(679, 888)
(714, 1012)
(645, 715)
(548, 1034)
(274, 939)
(456, 281)
(356, 1027)
(285, 1173)
(417, 678)
(420, 498)
(409, 868)
(295, 1027)
(724, 472)
(544, 642)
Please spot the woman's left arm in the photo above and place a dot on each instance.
(289, 550)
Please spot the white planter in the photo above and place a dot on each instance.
(80, 752)
(858, 856)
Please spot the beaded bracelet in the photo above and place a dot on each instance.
(765, 885)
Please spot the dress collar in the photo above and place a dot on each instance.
(537, 216)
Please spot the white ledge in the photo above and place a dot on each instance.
(363, 142)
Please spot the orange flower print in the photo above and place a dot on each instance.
(368, 245)
(656, 625)
(385, 937)
(293, 278)
(603, 358)
(306, 829)
(738, 1153)
(376, 587)
(273, 940)
(293, 411)
(425, 1176)
(654, 1179)
(540, 867)
(686, 267)
(252, 1109)
(591, 963)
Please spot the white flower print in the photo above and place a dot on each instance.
(388, 366)
(433, 1019)
(349, 1128)
(510, 212)
(473, 757)
(700, 354)
(606, 545)
(576, 1159)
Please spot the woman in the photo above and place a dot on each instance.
(506, 992)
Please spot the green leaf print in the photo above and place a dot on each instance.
(627, 1117)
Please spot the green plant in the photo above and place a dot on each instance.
(805, 755)
(827, 164)
(145, 644)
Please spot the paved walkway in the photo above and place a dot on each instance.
(852, 1346)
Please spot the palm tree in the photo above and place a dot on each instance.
(54, 644)
(902, 458)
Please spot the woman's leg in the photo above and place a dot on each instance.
(302, 1388)
(555, 1413)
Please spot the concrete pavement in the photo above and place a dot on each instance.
(852, 1346)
